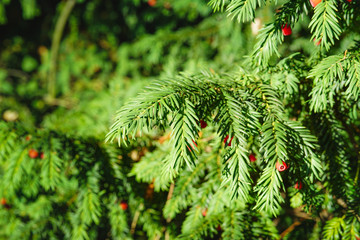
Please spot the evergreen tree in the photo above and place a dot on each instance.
(260, 142)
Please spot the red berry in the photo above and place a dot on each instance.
(42, 155)
(281, 166)
(33, 153)
(152, 3)
(252, 158)
(124, 205)
(28, 137)
(298, 185)
(318, 42)
(203, 124)
(349, 1)
(226, 138)
(314, 3)
(204, 212)
(286, 30)
(3, 201)
(218, 227)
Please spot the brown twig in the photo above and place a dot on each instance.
(168, 220)
(72, 199)
(164, 138)
(17, 73)
(291, 228)
(171, 191)
(66, 103)
(135, 219)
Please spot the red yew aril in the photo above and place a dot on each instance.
(281, 166)
(314, 3)
(42, 155)
(317, 43)
(152, 3)
(298, 185)
(4, 203)
(204, 212)
(203, 124)
(192, 146)
(33, 153)
(286, 30)
(124, 205)
(252, 158)
(226, 138)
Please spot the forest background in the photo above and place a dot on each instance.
(67, 67)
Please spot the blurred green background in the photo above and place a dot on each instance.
(108, 51)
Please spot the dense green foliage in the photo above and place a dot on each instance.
(207, 111)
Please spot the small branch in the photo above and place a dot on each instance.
(168, 220)
(59, 28)
(66, 103)
(291, 228)
(17, 73)
(164, 138)
(357, 172)
(297, 212)
(171, 191)
(135, 219)
(72, 199)
(158, 236)
(341, 202)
